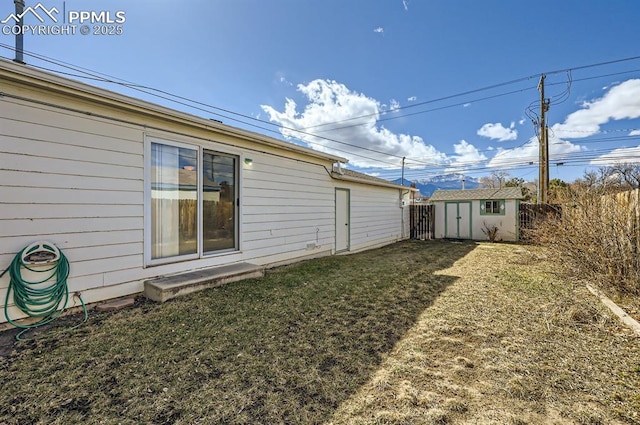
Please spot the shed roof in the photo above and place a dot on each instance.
(467, 195)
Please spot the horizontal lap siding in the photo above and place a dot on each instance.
(376, 216)
(286, 205)
(76, 181)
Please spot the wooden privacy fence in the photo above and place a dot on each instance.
(629, 200)
(621, 211)
(422, 221)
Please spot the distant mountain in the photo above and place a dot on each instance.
(448, 181)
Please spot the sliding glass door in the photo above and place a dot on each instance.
(193, 201)
(174, 201)
(219, 202)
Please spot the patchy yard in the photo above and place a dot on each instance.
(429, 333)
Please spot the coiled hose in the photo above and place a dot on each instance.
(36, 298)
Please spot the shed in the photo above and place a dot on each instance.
(132, 191)
(464, 214)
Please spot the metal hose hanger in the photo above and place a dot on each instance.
(47, 295)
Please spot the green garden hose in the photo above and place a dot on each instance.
(45, 297)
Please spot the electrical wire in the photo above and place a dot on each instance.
(168, 96)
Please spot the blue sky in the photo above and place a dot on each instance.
(378, 80)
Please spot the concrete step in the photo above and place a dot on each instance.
(164, 288)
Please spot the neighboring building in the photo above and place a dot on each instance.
(131, 190)
(464, 214)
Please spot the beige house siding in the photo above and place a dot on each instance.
(76, 181)
(72, 171)
(286, 205)
(377, 217)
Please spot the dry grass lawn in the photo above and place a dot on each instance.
(413, 333)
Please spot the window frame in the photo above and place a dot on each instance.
(199, 148)
(236, 219)
(501, 203)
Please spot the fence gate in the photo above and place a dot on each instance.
(422, 221)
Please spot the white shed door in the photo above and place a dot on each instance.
(458, 220)
(342, 220)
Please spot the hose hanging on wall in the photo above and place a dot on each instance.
(47, 295)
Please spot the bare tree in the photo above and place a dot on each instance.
(625, 175)
(613, 178)
(495, 181)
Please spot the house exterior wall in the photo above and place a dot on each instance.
(507, 223)
(77, 179)
(377, 216)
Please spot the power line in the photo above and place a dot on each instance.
(414, 105)
(182, 101)
(593, 65)
(434, 109)
(143, 89)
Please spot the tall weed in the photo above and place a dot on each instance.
(598, 238)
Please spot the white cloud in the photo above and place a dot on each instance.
(630, 155)
(378, 30)
(393, 105)
(335, 112)
(521, 122)
(620, 102)
(497, 131)
(412, 98)
(405, 4)
(466, 105)
(466, 155)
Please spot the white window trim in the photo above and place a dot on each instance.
(240, 159)
(199, 147)
(148, 261)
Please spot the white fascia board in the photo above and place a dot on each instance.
(29, 76)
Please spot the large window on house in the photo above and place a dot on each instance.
(193, 201)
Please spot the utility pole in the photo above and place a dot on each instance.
(543, 177)
(402, 180)
(19, 7)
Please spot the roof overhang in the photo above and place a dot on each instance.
(31, 77)
(338, 176)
